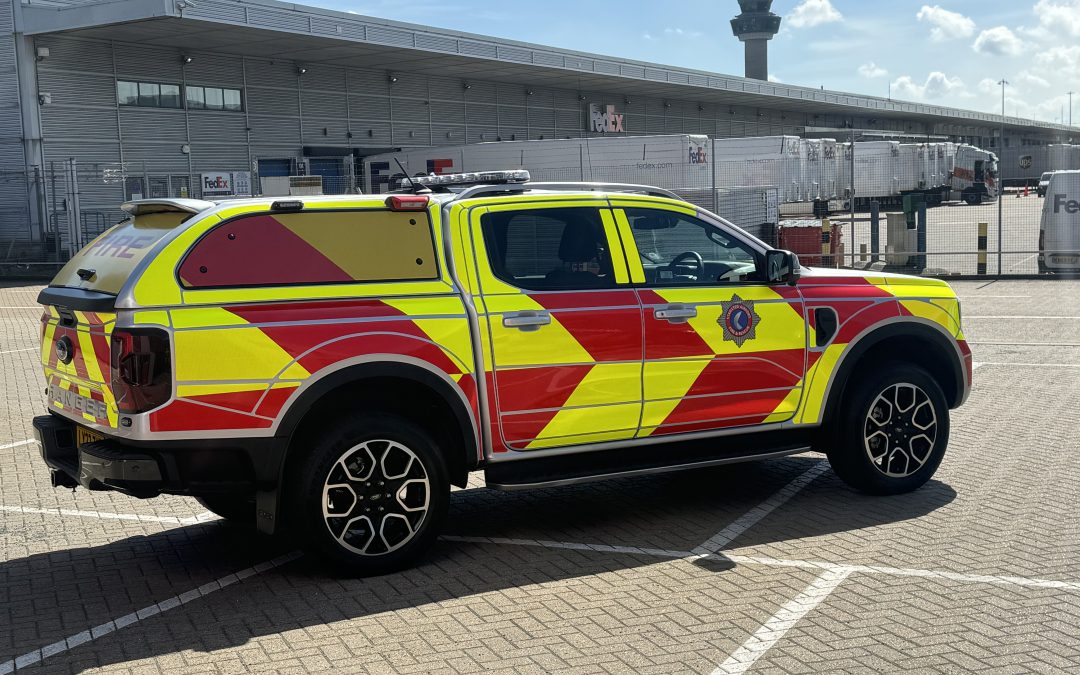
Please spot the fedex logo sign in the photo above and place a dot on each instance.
(1063, 203)
(606, 121)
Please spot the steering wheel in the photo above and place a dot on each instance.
(684, 258)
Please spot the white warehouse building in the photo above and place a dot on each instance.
(102, 101)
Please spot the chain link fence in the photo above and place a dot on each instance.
(932, 208)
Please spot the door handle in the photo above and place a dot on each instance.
(675, 313)
(527, 321)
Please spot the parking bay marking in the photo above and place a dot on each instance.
(19, 351)
(771, 632)
(18, 444)
(105, 515)
(91, 634)
(752, 517)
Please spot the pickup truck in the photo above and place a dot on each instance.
(330, 366)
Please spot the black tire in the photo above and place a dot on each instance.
(374, 446)
(973, 199)
(898, 469)
(238, 509)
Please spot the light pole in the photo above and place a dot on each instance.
(1001, 192)
(1070, 107)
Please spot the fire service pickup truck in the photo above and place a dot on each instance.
(330, 366)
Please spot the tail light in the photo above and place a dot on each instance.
(141, 369)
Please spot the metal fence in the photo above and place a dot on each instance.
(891, 210)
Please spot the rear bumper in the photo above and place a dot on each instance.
(147, 470)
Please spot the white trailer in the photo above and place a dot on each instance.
(831, 187)
(877, 170)
(760, 162)
(678, 161)
(974, 175)
(813, 168)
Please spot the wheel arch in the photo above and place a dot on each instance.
(911, 339)
(402, 385)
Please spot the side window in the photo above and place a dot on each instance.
(679, 250)
(549, 249)
(313, 247)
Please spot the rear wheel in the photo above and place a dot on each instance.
(373, 494)
(894, 429)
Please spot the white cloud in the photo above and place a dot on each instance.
(988, 85)
(937, 85)
(777, 80)
(947, 25)
(1060, 60)
(1030, 78)
(872, 70)
(679, 32)
(810, 13)
(998, 41)
(1059, 14)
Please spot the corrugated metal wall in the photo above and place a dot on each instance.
(14, 211)
(327, 106)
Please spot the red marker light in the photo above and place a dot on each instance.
(407, 202)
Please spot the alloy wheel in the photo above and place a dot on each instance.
(376, 497)
(900, 430)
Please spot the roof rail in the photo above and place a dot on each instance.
(481, 190)
(606, 187)
(139, 207)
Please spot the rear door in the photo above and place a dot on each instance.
(75, 340)
(561, 321)
(722, 349)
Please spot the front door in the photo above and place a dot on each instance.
(722, 348)
(563, 324)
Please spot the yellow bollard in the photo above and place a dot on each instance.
(826, 243)
(982, 248)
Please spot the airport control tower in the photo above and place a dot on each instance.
(755, 27)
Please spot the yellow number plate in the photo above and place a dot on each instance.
(84, 435)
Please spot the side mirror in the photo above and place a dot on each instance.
(782, 267)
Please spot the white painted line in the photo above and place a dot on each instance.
(975, 365)
(19, 351)
(105, 515)
(780, 623)
(1026, 344)
(721, 539)
(1003, 580)
(39, 308)
(91, 634)
(18, 444)
(993, 297)
(1025, 317)
(963, 577)
(979, 364)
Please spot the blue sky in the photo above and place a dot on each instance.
(950, 52)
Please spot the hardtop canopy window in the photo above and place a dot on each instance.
(549, 249)
(313, 247)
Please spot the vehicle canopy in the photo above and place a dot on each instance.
(104, 265)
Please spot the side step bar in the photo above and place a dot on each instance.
(576, 469)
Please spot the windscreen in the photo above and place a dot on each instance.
(105, 263)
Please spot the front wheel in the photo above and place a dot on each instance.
(894, 430)
(373, 494)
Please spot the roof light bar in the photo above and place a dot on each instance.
(470, 178)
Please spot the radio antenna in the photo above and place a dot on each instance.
(412, 184)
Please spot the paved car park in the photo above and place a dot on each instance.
(768, 567)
